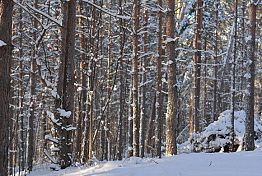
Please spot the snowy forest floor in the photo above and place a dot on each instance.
(193, 164)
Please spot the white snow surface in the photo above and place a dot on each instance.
(194, 164)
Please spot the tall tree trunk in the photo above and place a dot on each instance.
(171, 147)
(106, 126)
(249, 135)
(215, 93)
(83, 82)
(6, 9)
(195, 104)
(66, 83)
(120, 148)
(32, 104)
(233, 80)
(91, 85)
(205, 103)
(136, 16)
(144, 70)
(159, 100)
(21, 144)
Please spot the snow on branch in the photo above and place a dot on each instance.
(64, 113)
(169, 39)
(107, 11)
(50, 157)
(27, 10)
(50, 138)
(58, 22)
(52, 118)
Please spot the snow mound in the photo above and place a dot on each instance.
(216, 136)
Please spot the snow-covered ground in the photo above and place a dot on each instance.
(194, 164)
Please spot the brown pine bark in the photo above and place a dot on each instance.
(6, 9)
(83, 82)
(249, 134)
(66, 83)
(171, 147)
(195, 98)
(159, 100)
(31, 135)
(91, 84)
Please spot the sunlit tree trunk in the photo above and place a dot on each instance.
(83, 82)
(171, 147)
(195, 98)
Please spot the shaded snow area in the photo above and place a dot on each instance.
(194, 164)
(216, 136)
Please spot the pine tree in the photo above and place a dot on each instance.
(6, 8)
(249, 135)
(171, 147)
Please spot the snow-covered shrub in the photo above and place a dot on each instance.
(216, 136)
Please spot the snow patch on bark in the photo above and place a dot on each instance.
(2, 43)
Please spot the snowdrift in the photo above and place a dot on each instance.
(216, 137)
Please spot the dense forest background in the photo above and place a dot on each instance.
(107, 79)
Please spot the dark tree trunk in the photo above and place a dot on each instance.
(136, 15)
(6, 9)
(233, 79)
(66, 83)
(249, 135)
(144, 70)
(31, 134)
(159, 100)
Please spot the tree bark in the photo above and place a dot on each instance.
(136, 15)
(120, 148)
(66, 83)
(83, 82)
(233, 80)
(144, 70)
(249, 134)
(159, 99)
(6, 9)
(31, 134)
(195, 100)
(171, 147)
(215, 92)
